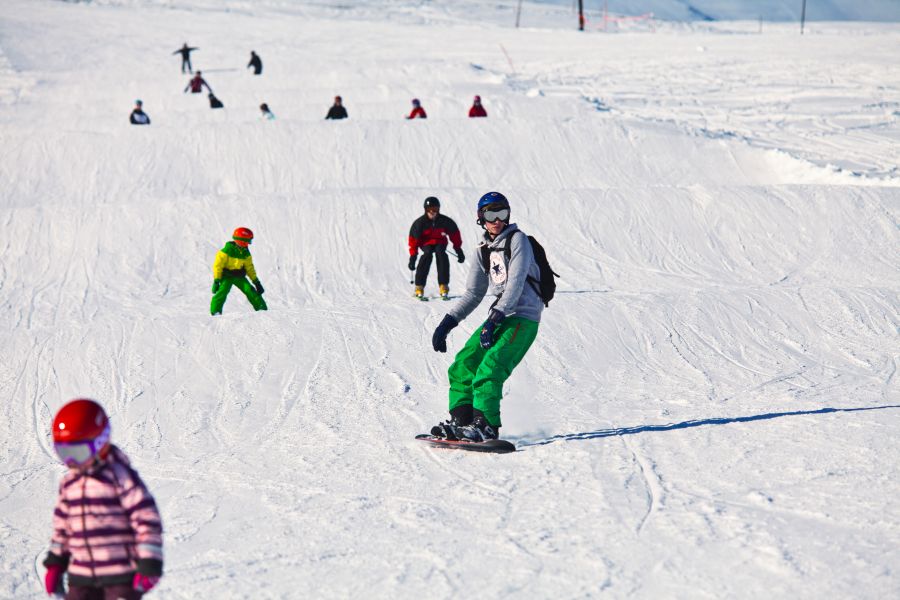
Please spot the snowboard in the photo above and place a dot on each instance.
(493, 446)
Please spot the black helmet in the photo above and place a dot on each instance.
(431, 201)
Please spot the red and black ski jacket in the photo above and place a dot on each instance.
(425, 232)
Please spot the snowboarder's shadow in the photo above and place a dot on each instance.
(620, 431)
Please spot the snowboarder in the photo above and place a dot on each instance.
(266, 113)
(417, 111)
(196, 84)
(255, 62)
(138, 116)
(232, 266)
(430, 233)
(107, 532)
(185, 53)
(337, 110)
(477, 109)
(215, 102)
(495, 348)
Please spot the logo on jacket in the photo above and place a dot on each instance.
(498, 268)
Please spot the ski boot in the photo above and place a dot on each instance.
(460, 417)
(445, 291)
(420, 292)
(446, 430)
(479, 431)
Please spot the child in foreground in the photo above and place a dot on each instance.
(107, 532)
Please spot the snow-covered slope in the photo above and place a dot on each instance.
(711, 408)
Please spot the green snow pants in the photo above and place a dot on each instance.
(243, 284)
(477, 374)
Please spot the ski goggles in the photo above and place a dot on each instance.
(245, 240)
(489, 215)
(80, 454)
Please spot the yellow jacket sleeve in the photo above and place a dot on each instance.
(251, 270)
(219, 264)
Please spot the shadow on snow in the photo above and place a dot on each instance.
(602, 433)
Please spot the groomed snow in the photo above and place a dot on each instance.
(711, 408)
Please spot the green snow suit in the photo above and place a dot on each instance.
(218, 299)
(232, 266)
(477, 374)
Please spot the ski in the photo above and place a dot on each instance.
(492, 446)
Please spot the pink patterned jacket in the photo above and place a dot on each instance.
(107, 523)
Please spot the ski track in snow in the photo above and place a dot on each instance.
(711, 406)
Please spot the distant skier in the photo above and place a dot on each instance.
(215, 102)
(495, 348)
(232, 266)
(185, 53)
(417, 112)
(429, 233)
(196, 84)
(477, 109)
(107, 532)
(337, 110)
(255, 62)
(138, 116)
(266, 113)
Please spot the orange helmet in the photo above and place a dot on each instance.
(242, 236)
(81, 432)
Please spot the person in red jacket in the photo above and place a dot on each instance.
(417, 111)
(430, 233)
(196, 84)
(477, 109)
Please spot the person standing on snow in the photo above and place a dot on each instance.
(417, 111)
(337, 110)
(185, 53)
(477, 109)
(267, 114)
(430, 233)
(138, 116)
(255, 62)
(495, 348)
(107, 532)
(196, 84)
(232, 266)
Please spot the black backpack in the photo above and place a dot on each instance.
(545, 287)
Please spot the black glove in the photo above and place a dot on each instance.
(216, 284)
(259, 288)
(439, 339)
(412, 261)
(460, 257)
(487, 330)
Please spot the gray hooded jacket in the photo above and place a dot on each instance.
(508, 278)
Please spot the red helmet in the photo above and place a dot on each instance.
(242, 237)
(81, 432)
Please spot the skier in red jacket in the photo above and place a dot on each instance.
(477, 109)
(196, 84)
(417, 111)
(430, 233)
